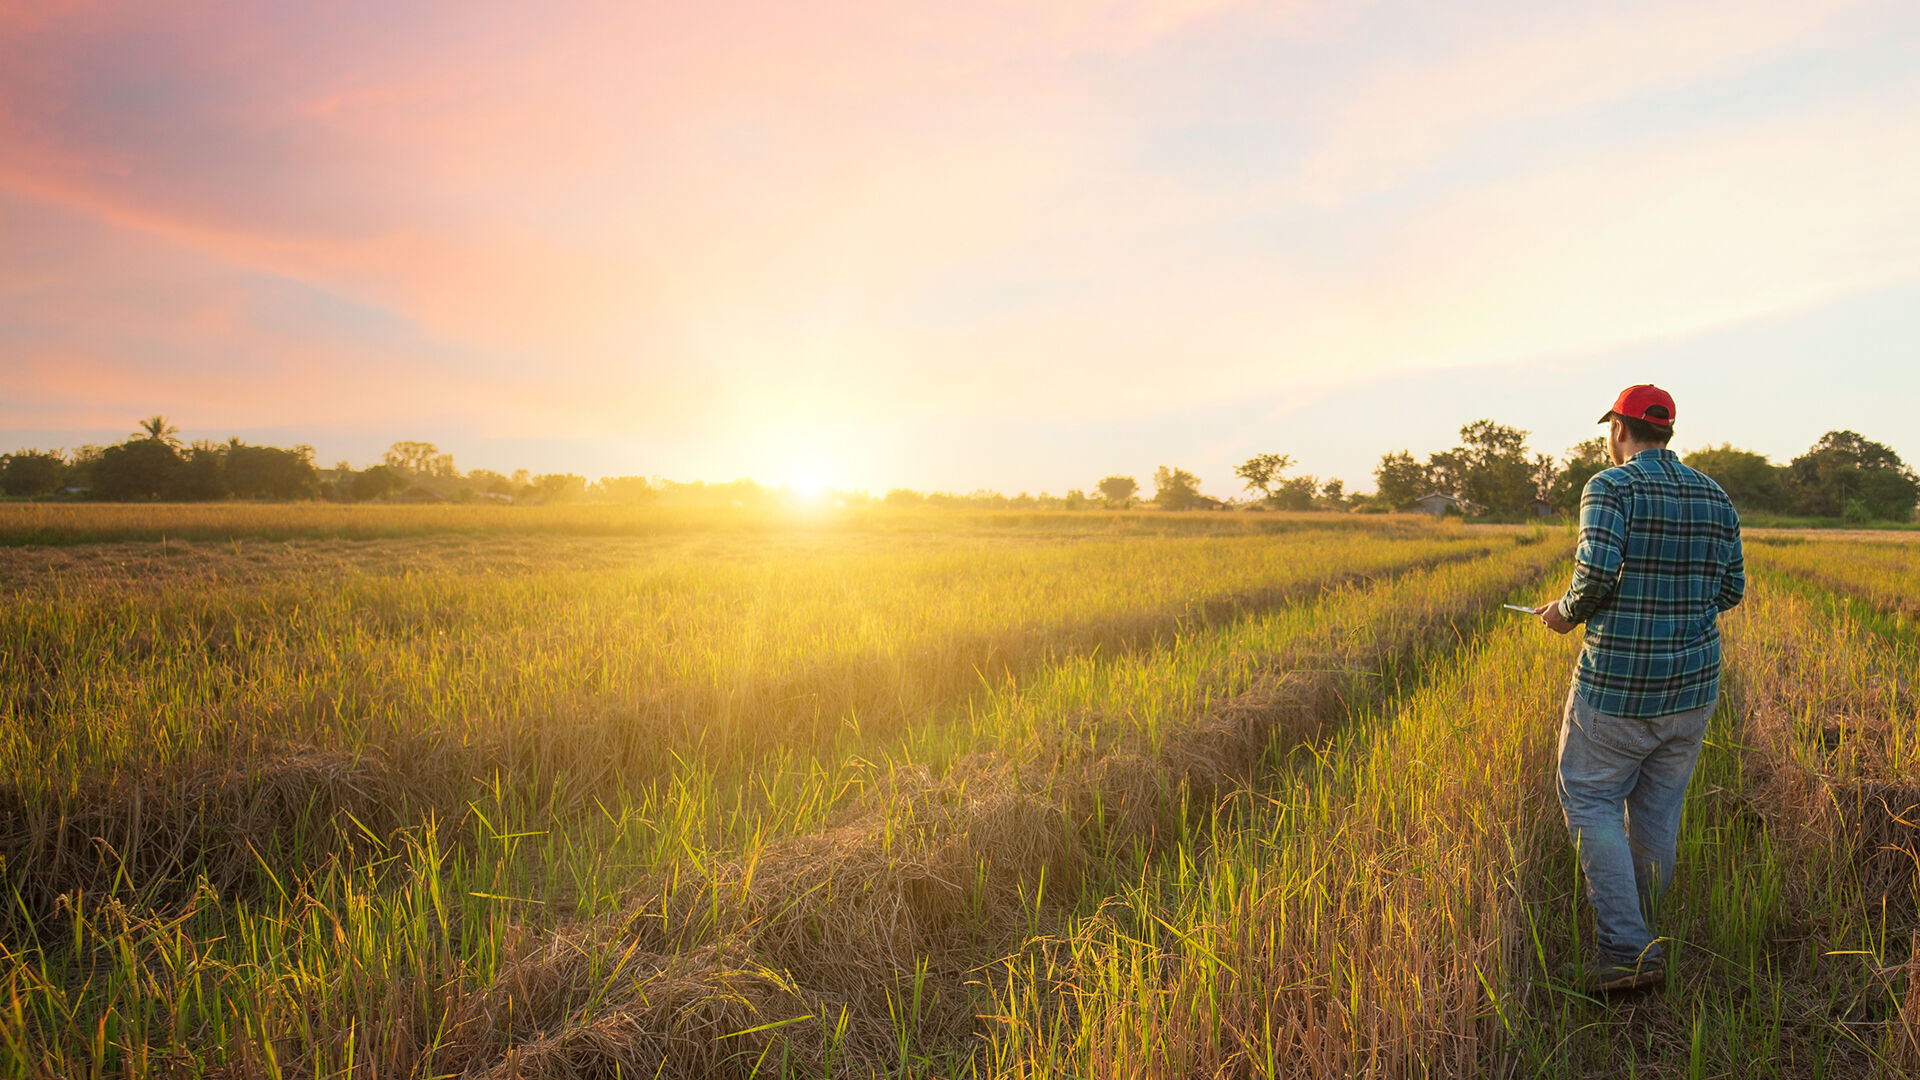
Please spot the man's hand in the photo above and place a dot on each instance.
(1550, 614)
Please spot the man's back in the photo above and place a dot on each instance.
(1659, 560)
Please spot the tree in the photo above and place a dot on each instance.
(80, 466)
(1119, 490)
(138, 470)
(1749, 479)
(1446, 472)
(156, 428)
(624, 489)
(1175, 489)
(1399, 480)
(270, 472)
(1843, 469)
(1334, 492)
(416, 458)
(26, 473)
(1262, 472)
(1544, 470)
(559, 487)
(494, 483)
(1582, 461)
(201, 476)
(1493, 466)
(377, 482)
(1295, 494)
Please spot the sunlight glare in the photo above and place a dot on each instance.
(809, 487)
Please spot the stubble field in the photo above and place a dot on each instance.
(291, 792)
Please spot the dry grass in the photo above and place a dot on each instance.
(51, 523)
(1884, 576)
(887, 923)
(395, 681)
(1834, 718)
(264, 856)
(1359, 919)
(731, 804)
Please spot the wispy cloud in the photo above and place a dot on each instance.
(750, 224)
(1494, 67)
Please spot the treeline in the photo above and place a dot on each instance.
(1490, 472)
(1843, 475)
(153, 465)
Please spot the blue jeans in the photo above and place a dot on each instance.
(1622, 781)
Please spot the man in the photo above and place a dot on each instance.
(1659, 559)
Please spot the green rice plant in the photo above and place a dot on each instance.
(1405, 902)
(1212, 805)
(917, 888)
(314, 716)
(356, 695)
(710, 925)
(1883, 575)
(1832, 714)
(1358, 917)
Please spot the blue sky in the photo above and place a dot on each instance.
(999, 245)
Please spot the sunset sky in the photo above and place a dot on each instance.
(953, 246)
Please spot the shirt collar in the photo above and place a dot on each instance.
(1660, 452)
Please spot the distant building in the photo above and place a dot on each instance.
(1438, 504)
(1540, 507)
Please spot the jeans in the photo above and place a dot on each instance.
(1622, 781)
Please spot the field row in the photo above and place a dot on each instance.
(1885, 576)
(1296, 822)
(42, 523)
(1410, 906)
(1019, 793)
(191, 729)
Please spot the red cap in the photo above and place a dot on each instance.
(1643, 402)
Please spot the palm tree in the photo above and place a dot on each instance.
(159, 430)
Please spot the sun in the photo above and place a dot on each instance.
(809, 487)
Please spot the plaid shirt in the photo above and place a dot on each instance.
(1659, 560)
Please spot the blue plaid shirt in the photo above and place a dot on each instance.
(1659, 560)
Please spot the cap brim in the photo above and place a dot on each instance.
(1604, 417)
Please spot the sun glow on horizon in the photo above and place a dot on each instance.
(808, 487)
(969, 247)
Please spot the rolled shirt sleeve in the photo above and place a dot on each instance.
(1601, 553)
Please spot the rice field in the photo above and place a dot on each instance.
(292, 792)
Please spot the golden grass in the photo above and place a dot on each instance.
(976, 799)
(1885, 576)
(1407, 905)
(88, 523)
(149, 718)
(439, 909)
(903, 901)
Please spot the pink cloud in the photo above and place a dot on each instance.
(553, 182)
(740, 220)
